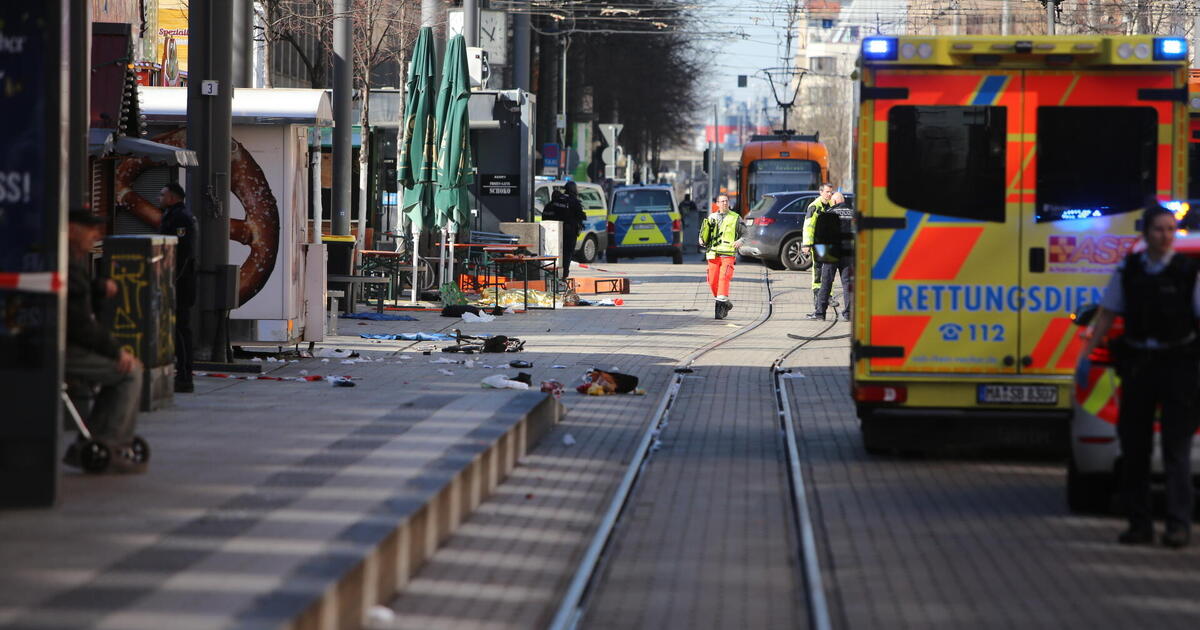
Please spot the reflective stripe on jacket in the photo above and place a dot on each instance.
(729, 228)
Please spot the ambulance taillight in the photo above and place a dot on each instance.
(881, 393)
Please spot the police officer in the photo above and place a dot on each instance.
(566, 207)
(838, 255)
(1157, 293)
(178, 221)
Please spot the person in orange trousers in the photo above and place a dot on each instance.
(721, 235)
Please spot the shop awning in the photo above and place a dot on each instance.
(103, 143)
(251, 106)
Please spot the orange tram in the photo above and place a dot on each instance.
(778, 163)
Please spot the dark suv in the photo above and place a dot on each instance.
(774, 228)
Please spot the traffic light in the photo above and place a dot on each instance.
(742, 80)
(707, 168)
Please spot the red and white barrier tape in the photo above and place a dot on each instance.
(583, 266)
(33, 282)
(253, 377)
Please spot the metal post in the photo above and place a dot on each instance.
(78, 194)
(521, 46)
(1196, 41)
(243, 42)
(1051, 7)
(210, 25)
(1004, 17)
(343, 73)
(562, 108)
(471, 22)
(315, 158)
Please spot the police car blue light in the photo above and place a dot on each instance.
(880, 48)
(1170, 48)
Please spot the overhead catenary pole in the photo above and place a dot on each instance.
(1004, 17)
(471, 23)
(1196, 41)
(1051, 9)
(78, 194)
(562, 108)
(209, 111)
(343, 73)
(521, 46)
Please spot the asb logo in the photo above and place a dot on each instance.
(1097, 250)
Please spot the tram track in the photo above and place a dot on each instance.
(573, 604)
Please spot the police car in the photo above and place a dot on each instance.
(1095, 449)
(593, 238)
(644, 221)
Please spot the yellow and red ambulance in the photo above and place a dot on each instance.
(999, 180)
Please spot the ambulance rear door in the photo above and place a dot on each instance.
(1095, 145)
(941, 229)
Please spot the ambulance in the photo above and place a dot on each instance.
(999, 182)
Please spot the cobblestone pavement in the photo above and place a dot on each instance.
(980, 542)
(707, 539)
(509, 563)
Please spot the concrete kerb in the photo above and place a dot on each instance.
(389, 565)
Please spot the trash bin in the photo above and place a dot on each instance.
(142, 314)
(341, 263)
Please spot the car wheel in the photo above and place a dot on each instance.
(589, 249)
(610, 258)
(792, 255)
(1089, 493)
(677, 258)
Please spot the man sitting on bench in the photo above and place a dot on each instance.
(93, 356)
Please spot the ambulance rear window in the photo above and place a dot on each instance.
(1094, 161)
(948, 160)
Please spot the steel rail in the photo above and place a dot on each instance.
(569, 610)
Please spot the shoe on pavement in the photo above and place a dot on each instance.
(846, 315)
(1137, 534)
(1176, 536)
(184, 387)
(815, 316)
(728, 306)
(719, 309)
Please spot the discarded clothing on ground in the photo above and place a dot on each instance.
(500, 381)
(417, 336)
(457, 310)
(600, 383)
(380, 317)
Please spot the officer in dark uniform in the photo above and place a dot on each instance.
(178, 221)
(566, 207)
(1156, 291)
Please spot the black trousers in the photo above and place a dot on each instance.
(1150, 379)
(568, 250)
(827, 272)
(183, 336)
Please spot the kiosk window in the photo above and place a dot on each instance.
(1094, 161)
(948, 160)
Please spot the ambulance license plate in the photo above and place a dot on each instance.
(644, 226)
(1019, 394)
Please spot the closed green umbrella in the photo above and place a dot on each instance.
(418, 144)
(454, 163)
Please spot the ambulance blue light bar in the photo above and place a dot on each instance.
(880, 48)
(1170, 48)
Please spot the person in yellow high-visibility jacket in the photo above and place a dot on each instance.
(721, 235)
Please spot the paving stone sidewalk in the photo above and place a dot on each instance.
(707, 540)
(966, 542)
(512, 559)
